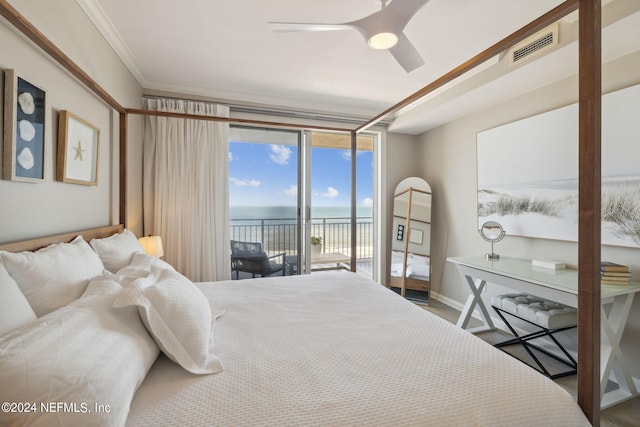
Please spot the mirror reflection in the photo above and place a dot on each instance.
(411, 239)
(492, 231)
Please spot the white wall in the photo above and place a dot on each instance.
(448, 156)
(36, 209)
(401, 160)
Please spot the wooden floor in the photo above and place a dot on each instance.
(626, 414)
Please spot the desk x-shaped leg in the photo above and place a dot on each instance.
(476, 286)
(612, 359)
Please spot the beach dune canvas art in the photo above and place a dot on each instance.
(528, 169)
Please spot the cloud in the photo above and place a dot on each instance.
(244, 182)
(367, 201)
(292, 190)
(232, 157)
(346, 154)
(280, 154)
(331, 193)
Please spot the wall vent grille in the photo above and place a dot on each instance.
(534, 45)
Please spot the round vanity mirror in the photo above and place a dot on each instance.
(492, 231)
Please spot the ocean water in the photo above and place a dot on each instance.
(289, 212)
(275, 227)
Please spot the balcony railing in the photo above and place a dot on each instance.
(281, 235)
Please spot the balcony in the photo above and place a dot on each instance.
(281, 235)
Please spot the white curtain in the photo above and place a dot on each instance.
(185, 187)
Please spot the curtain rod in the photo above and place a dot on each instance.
(280, 112)
(234, 120)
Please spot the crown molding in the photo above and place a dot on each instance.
(102, 22)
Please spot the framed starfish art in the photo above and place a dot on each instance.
(78, 144)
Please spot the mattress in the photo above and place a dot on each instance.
(334, 348)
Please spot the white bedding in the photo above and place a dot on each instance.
(417, 265)
(333, 349)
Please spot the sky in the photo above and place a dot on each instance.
(267, 175)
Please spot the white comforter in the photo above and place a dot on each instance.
(336, 349)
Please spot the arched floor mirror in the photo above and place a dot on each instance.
(411, 240)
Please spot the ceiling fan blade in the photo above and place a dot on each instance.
(393, 18)
(406, 55)
(400, 12)
(299, 26)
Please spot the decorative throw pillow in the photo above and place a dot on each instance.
(15, 310)
(178, 316)
(53, 276)
(117, 251)
(87, 355)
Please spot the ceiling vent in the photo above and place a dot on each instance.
(534, 46)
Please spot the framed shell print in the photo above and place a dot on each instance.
(24, 126)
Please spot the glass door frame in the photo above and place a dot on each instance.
(304, 195)
(304, 203)
(305, 200)
(299, 137)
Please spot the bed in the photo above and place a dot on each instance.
(417, 273)
(145, 346)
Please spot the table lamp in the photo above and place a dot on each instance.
(152, 245)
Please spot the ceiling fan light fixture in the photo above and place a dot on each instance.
(383, 40)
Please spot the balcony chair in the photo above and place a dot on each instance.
(249, 257)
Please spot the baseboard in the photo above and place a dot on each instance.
(447, 301)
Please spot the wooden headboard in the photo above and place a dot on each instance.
(40, 242)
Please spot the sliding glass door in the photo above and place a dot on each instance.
(330, 202)
(264, 203)
(290, 191)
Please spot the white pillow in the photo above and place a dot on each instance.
(54, 276)
(15, 310)
(397, 257)
(178, 316)
(85, 354)
(117, 251)
(140, 267)
(420, 259)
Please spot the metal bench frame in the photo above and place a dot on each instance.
(524, 341)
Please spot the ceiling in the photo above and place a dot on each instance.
(225, 51)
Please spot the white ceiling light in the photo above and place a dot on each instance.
(380, 34)
(383, 41)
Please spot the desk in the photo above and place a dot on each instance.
(560, 286)
(331, 258)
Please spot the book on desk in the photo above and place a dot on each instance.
(550, 264)
(614, 274)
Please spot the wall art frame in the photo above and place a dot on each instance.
(78, 150)
(24, 145)
(528, 173)
(416, 236)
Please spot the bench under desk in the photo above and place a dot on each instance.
(560, 286)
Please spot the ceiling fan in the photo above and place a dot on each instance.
(383, 30)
